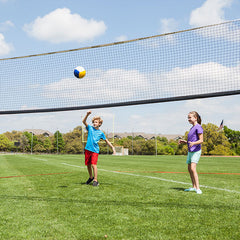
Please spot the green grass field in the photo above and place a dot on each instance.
(139, 197)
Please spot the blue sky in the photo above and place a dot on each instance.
(23, 32)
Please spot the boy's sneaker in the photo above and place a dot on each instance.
(89, 181)
(95, 183)
(199, 191)
(190, 190)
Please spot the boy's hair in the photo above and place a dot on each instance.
(99, 119)
(196, 115)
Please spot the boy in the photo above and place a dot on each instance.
(92, 148)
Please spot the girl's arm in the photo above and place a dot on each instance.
(110, 145)
(181, 141)
(85, 118)
(200, 141)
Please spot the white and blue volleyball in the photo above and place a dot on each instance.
(79, 72)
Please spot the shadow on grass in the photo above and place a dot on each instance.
(84, 183)
(178, 189)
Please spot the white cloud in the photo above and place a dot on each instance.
(119, 85)
(6, 25)
(168, 25)
(211, 12)
(53, 121)
(164, 118)
(121, 38)
(229, 32)
(5, 48)
(171, 117)
(152, 43)
(129, 83)
(200, 78)
(61, 25)
(49, 121)
(213, 110)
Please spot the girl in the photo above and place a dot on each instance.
(195, 139)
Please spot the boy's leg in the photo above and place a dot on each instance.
(95, 181)
(90, 179)
(89, 167)
(94, 166)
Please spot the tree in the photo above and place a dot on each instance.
(47, 144)
(32, 141)
(4, 143)
(213, 138)
(24, 143)
(73, 141)
(58, 142)
(149, 147)
(182, 148)
(163, 140)
(14, 137)
(174, 145)
(234, 138)
(165, 150)
(221, 150)
(39, 148)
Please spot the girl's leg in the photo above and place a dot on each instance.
(191, 175)
(195, 175)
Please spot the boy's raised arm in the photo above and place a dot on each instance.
(85, 118)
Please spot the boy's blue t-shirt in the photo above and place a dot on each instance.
(94, 135)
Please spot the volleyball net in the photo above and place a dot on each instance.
(194, 63)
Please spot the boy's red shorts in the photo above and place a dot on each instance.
(91, 157)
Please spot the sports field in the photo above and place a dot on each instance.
(139, 197)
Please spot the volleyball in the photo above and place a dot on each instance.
(79, 72)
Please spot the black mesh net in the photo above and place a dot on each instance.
(195, 63)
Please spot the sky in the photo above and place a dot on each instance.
(33, 27)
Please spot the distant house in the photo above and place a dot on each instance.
(45, 133)
(146, 136)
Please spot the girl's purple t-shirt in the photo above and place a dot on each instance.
(193, 137)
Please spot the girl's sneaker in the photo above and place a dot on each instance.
(190, 190)
(199, 191)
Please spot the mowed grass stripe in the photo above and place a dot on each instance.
(33, 175)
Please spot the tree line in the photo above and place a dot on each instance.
(224, 142)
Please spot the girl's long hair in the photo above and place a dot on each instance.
(196, 115)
